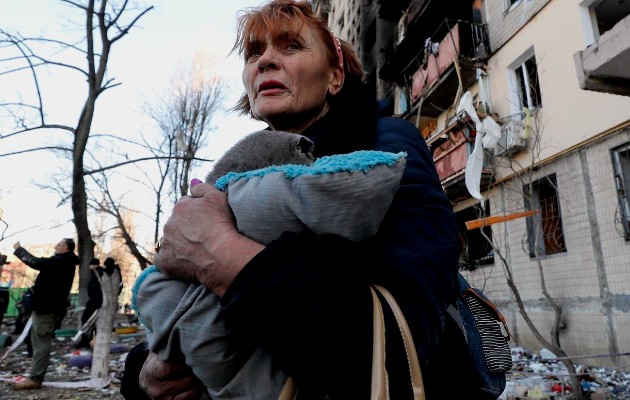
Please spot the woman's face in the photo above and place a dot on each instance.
(287, 79)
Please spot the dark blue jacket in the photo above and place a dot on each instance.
(306, 300)
(52, 286)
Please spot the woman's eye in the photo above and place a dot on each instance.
(293, 46)
(253, 55)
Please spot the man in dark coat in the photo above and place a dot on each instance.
(94, 302)
(111, 266)
(95, 296)
(50, 302)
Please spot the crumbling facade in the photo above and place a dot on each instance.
(552, 191)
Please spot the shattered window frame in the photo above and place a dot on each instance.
(621, 170)
(545, 233)
(524, 83)
(508, 4)
(528, 84)
(477, 251)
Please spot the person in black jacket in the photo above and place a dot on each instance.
(94, 302)
(50, 302)
(25, 307)
(95, 295)
(305, 298)
(110, 266)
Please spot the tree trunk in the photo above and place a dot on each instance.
(85, 243)
(104, 324)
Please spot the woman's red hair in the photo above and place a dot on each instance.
(277, 17)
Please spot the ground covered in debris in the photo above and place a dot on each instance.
(542, 376)
(534, 376)
(67, 365)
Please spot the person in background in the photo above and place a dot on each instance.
(94, 302)
(305, 298)
(25, 307)
(50, 302)
(110, 267)
(95, 295)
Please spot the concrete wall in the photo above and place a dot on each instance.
(344, 20)
(569, 115)
(578, 128)
(503, 24)
(591, 280)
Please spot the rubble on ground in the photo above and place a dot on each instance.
(534, 376)
(68, 364)
(542, 376)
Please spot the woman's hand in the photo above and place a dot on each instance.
(201, 243)
(162, 380)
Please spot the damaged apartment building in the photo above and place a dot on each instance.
(525, 105)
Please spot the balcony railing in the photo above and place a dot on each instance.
(604, 65)
(451, 148)
(434, 76)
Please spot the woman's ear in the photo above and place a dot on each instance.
(336, 81)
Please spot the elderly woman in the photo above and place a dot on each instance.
(305, 298)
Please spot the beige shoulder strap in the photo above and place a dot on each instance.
(379, 372)
(410, 348)
(289, 391)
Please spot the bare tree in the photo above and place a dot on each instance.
(184, 117)
(164, 158)
(105, 22)
(121, 214)
(3, 229)
(110, 284)
(3, 225)
(523, 183)
(161, 152)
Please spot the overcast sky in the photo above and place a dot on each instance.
(143, 62)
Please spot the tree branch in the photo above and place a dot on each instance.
(120, 164)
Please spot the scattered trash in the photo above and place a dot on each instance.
(543, 376)
(69, 373)
(80, 361)
(126, 329)
(534, 376)
(64, 333)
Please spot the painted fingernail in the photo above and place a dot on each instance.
(194, 182)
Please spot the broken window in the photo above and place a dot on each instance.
(509, 3)
(524, 84)
(477, 247)
(544, 229)
(608, 13)
(621, 169)
(527, 82)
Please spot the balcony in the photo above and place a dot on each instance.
(392, 9)
(433, 77)
(604, 65)
(451, 148)
(420, 20)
